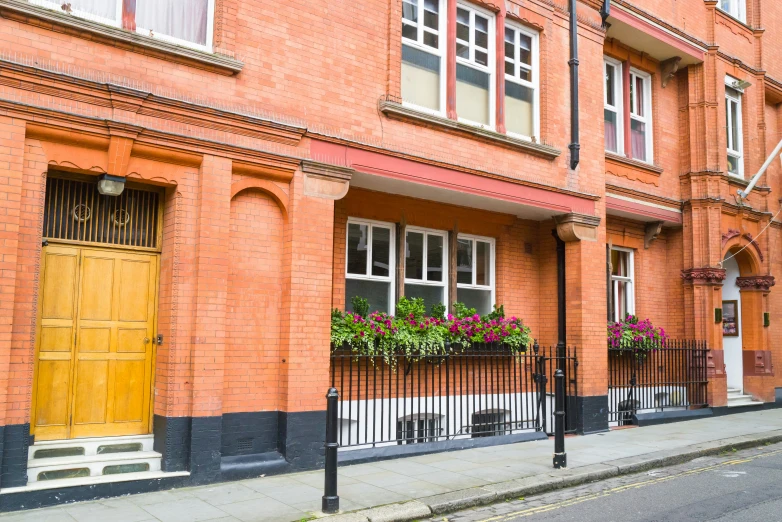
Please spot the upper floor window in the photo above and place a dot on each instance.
(521, 81)
(622, 279)
(183, 22)
(735, 8)
(475, 272)
(423, 44)
(474, 65)
(640, 115)
(369, 264)
(612, 107)
(733, 128)
(629, 134)
(425, 265)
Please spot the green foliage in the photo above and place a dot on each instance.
(360, 306)
(438, 311)
(460, 310)
(497, 313)
(411, 308)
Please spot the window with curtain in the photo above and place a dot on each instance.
(640, 116)
(736, 8)
(474, 65)
(105, 11)
(423, 47)
(622, 277)
(369, 264)
(521, 81)
(182, 21)
(733, 131)
(425, 266)
(612, 107)
(475, 272)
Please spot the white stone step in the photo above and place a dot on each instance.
(89, 481)
(91, 467)
(64, 462)
(740, 398)
(91, 445)
(736, 404)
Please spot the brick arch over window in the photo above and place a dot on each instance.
(265, 186)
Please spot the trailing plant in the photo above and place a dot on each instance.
(635, 334)
(417, 335)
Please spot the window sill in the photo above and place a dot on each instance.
(633, 170)
(25, 12)
(397, 111)
(743, 25)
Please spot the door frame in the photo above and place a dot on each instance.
(38, 327)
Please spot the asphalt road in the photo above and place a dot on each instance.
(735, 486)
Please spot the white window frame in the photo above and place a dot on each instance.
(185, 43)
(618, 107)
(57, 6)
(736, 8)
(492, 270)
(490, 68)
(737, 151)
(534, 73)
(441, 51)
(367, 276)
(431, 432)
(647, 119)
(425, 281)
(630, 288)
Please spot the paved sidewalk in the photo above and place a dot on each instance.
(438, 483)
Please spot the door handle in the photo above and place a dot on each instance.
(146, 340)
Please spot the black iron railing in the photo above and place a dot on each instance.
(484, 391)
(655, 376)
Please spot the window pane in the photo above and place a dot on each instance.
(463, 25)
(525, 49)
(183, 20)
(376, 292)
(434, 258)
(357, 248)
(638, 136)
(481, 39)
(101, 8)
(525, 74)
(734, 125)
(410, 32)
(432, 40)
(472, 94)
(381, 251)
(481, 24)
(481, 58)
(478, 299)
(483, 263)
(431, 20)
(510, 36)
(464, 261)
(414, 256)
(639, 98)
(462, 50)
(622, 299)
(510, 68)
(430, 294)
(733, 165)
(410, 10)
(619, 263)
(610, 83)
(610, 131)
(420, 78)
(519, 109)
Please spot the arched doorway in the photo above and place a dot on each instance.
(731, 337)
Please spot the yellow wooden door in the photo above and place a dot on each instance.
(110, 357)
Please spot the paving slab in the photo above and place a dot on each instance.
(402, 512)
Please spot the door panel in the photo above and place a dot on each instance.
(55, 341)
(94, 359)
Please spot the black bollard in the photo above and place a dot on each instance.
(330, 497)
(560, 457)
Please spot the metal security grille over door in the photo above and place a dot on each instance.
(76, 211)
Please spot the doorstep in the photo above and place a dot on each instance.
(92, 481)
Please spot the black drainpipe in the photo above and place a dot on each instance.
(574, 145)
(561, 311)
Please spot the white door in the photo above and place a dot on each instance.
(734, 365)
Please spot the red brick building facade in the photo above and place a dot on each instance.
(263, 129)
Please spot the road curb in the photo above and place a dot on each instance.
(556, 479)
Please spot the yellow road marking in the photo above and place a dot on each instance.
(592, 496)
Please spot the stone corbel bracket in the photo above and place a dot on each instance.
(121, 140)
(758, 283)
(577, 227)
(651, 232)
(668, 69)
(325, 181)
